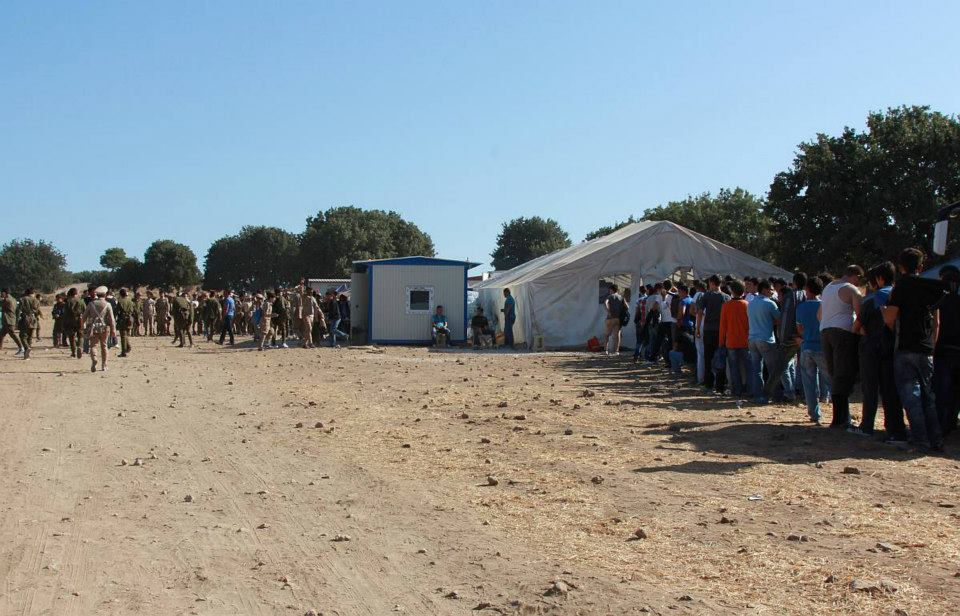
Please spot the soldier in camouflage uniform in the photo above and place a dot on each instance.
(72, 313)
(137, 313)
(27, 320)
(126, 310)
(183, 315)
(163, 314)
(9, 309)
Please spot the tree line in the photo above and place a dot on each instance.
(257, 257)
(851, 198)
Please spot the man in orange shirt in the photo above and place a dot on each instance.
(734, 329)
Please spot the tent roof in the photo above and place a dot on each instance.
(708, 256)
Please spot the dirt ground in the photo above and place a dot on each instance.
(357, 481)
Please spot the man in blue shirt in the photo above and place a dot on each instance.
(509, 311)
(763, 314)
(229, 310)
(813, 364)
(440, 327)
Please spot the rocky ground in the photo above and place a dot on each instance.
(376, 481)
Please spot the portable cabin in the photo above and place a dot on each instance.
(393, 300)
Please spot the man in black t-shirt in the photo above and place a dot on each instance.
(946, 355)
(910, 313)
(708, 326)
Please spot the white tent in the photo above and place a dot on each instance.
(558, 295)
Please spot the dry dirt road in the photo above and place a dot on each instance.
(225, 481)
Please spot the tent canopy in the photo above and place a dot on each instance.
(557, 294)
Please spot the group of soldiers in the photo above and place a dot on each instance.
(272, 318)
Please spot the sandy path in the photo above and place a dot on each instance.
(408, 438)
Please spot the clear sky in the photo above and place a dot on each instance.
(126, 122)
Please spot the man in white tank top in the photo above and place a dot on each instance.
(839, 310)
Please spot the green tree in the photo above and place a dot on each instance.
(863, 196)
(256, 258)
(29, 264)
(609, 229)
(167, 263)
(524, 239)
(113, 258)
(129, 274)
(734, 217)
(334, 239)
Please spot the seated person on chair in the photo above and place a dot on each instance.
(480, 326)
(440, 326)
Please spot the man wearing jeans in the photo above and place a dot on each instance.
(813, 366)
(785, 372)
(839, 310)
(763, 314)
(910, 313)
(877, 382)
(734, 337)
(708, 328)
(229, 310)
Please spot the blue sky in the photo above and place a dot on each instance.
(122, 123)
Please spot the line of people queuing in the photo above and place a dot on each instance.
(812, 339)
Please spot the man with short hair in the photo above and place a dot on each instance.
(708, 327)
(615, 307)
(946, 355)
(509, 311)
(229, 309)
(9, 310)
(124, 315)
(480, 326)
(839, 309)
(735, 338)
(876, 359)
(27, 321)
(764, 315)
(267, 332)
(783, 375)
(72, 317)
(813, 366)
(912, 311)
(664, 340)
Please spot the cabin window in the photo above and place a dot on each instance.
(419, 300)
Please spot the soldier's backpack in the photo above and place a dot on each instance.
(98, 325)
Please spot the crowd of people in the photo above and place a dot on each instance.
(96, 320)
(812, 339)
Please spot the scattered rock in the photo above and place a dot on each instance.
(137, 462)
(797, 537)
(568, 432)
(452, 595)
(851, 470)
(559, 587)
(726, 520)
(319, 424)
(886, 547)
(484, 440)
(262, 526)
(341, 538)
(684, 598)
(299, 424)
(503, 404)
(492, 481)
(639, 534)
(597, 480)
(188, 498)
(586, 393)
(124, 462)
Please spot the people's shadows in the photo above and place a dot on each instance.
(765, 444)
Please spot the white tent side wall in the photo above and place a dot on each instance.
(558, 294)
